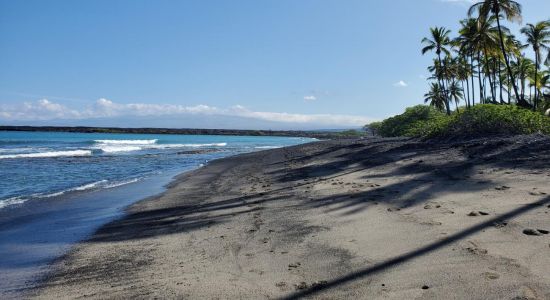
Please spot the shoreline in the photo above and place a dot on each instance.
(42, 241)
(332, 219)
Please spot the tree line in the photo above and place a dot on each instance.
(485, 63)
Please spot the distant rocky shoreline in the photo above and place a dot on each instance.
(186, 131)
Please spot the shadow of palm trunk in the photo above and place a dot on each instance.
(360, 274)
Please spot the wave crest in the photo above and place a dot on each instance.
(134, 146)
(101, 184)
(127, 142)
(70, 153)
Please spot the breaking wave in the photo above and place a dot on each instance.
(49, 154)
(101, 184)
(113, 146)
(127, 142)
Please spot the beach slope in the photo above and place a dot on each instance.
(377, 218)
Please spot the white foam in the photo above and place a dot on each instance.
(127, 142)
(85, 187)
(49, 154)
(121, 183)
(205, 145)
(167, 146)
(113, 149)
(113, 146)
(11, 201)
(267, 147)
(88, 186)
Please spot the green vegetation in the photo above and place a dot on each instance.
(408, 123)
(485, 72)
(480, 120)
(352, 133)
(485, 63)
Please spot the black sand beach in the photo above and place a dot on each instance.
(376, 218)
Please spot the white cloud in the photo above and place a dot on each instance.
(400, 83)
(328, 119)
(107, 108)
(104, 108)
(42, 109)
(310, 98)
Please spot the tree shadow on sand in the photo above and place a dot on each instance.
(179, 219)
(408, 256)
(428, 180)
(425, 179)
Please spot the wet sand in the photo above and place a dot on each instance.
(34, 235)
(378, 218)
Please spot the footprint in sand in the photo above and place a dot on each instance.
(490, 275)
(301, 286)
(282, 285)
(475, 249)
(502, 188)
(294, 265)
(535, 232)
(477, 213)
(500, 224)
(430, 206)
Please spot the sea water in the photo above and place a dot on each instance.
(58, 188)
(38, 165)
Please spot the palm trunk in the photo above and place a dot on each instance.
(495, 79)
(536, 73)
(508, 93)
(520, 100)
(489, 76)
(479, 77)
(467, 92)
(523, 85)
(473, 89)
(443, 85)
(500, 82)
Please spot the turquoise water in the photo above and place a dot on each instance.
(39, 165)
(57, 188)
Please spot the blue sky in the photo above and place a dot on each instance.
(302, 63)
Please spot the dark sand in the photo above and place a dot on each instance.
(392, 219)
(34, 235)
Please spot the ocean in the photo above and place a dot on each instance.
(58, 188)
(38, 165)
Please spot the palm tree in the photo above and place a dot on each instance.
(506, 8)
(466, 42)
(463, 73)
(455, 93)
(436, 98)
(439, 43)
(514, 46)
(522, 68)
(538, 36)
(481, 37)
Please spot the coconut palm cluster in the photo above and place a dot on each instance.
(486, 64)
